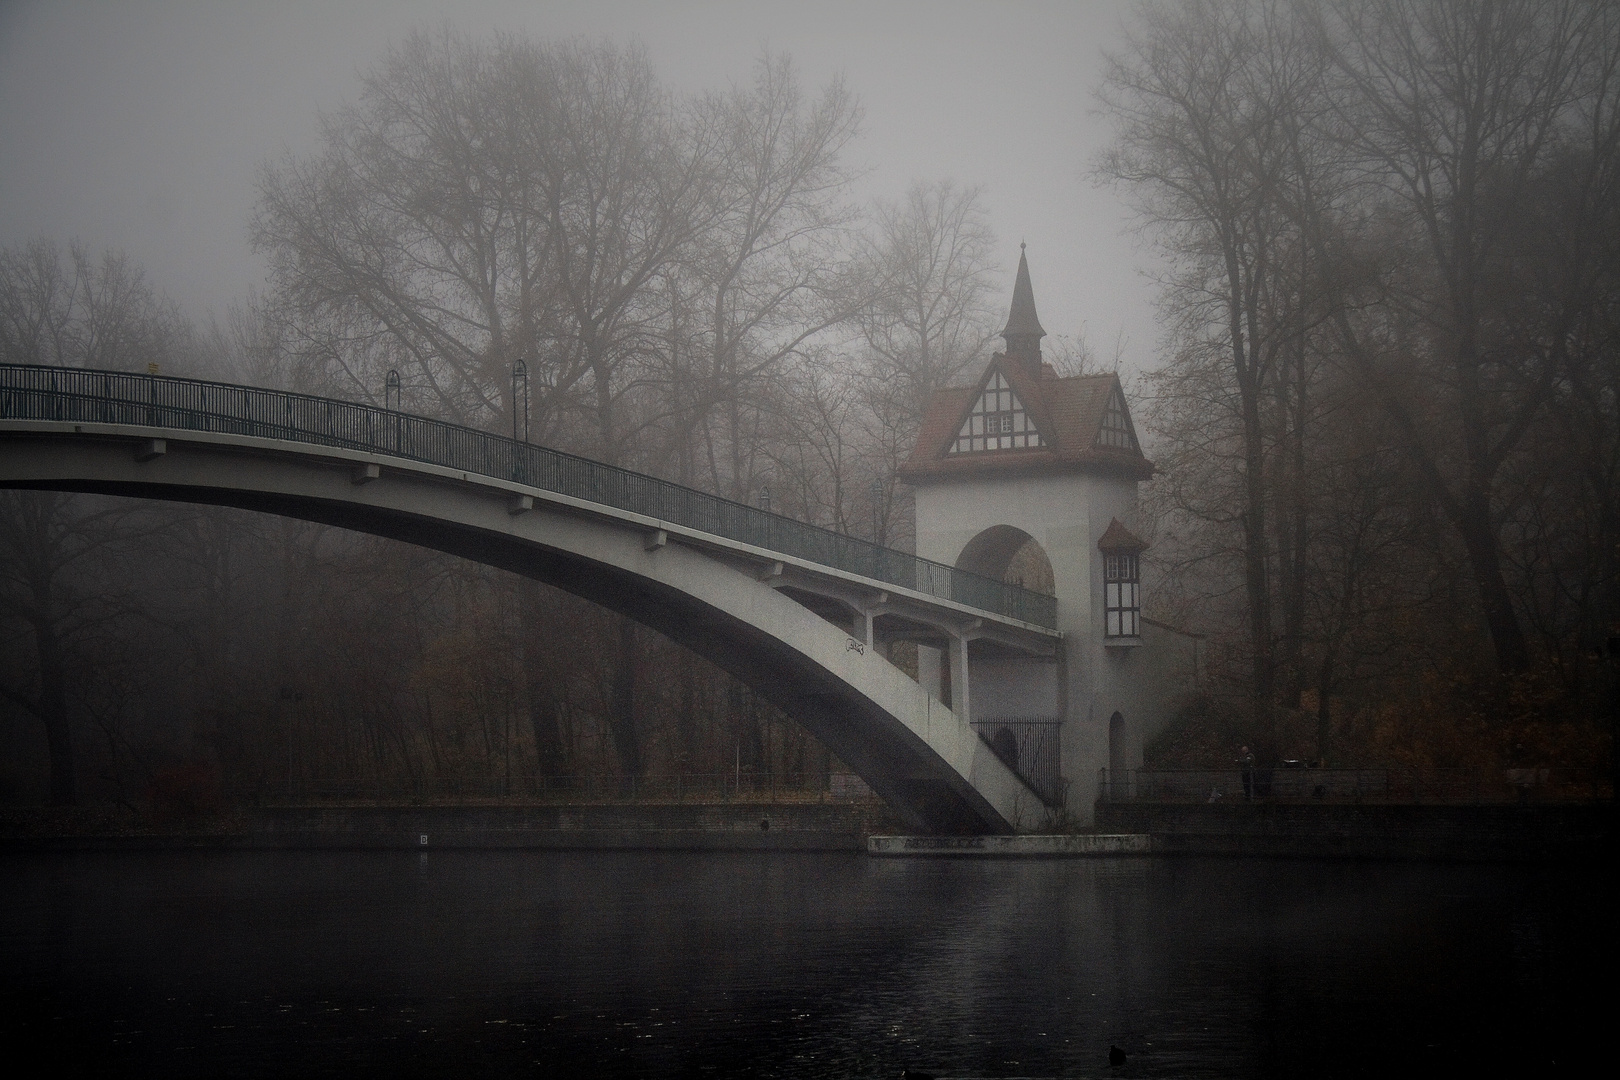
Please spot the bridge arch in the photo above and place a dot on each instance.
(725, 601)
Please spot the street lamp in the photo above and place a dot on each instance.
(391, 403)
(877, 512)
(765, 497)
(520, 399)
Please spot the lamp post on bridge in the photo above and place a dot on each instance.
(876, 491)
(520, 399)
(391, 403)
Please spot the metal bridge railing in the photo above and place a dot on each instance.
(112, 397)
(1031, 747)
(1393, 784)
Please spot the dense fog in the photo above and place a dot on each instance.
(1385, 414)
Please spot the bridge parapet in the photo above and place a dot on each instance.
(75, 395)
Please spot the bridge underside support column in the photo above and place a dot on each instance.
(931, 670)
(961, 703)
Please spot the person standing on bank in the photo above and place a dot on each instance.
(1246, 760)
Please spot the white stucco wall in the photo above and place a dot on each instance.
(1014, 686)
(1066, 515)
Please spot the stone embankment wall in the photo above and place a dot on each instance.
(1367, 831)
(691, 827)
(764, 827)
(1467, 833)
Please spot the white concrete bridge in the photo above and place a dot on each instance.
(792, 610)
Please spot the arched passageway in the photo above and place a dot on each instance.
(1011, 555)
(1016, 708)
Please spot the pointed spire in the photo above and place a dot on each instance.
(1023, 333)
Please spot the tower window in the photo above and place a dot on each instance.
(1116, 424)
(998, 421)
(1122, 595)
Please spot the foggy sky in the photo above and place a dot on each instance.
(140, 125)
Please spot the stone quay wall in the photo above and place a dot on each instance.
(1371, 831)
(689, 827)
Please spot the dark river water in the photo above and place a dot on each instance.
(710, 965)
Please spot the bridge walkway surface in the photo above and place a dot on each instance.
(794, 610)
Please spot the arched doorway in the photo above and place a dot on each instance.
(1015, 705)
(1011, 555)
(1118, 762)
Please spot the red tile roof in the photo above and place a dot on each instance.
(1118, 538)
(1068, 412)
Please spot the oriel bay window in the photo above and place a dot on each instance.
(1122, 597)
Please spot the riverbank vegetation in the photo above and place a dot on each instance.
(1387, 415)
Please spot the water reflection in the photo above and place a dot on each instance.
(634, 964)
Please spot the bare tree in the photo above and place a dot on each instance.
(930, 258)
(931, 318)
(1556, 297)
(816, 456)
(629, 191)
(772, 270)
(87, 313)
(485, 203)
(418, 238)
(1451, 108)
(56, 550)
(1205, 103)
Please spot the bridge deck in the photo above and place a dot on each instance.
(71, 395)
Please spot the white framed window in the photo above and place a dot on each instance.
(998, 421)
(1122, 595)
(1116, 424)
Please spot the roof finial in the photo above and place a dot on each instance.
(1023, 333)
